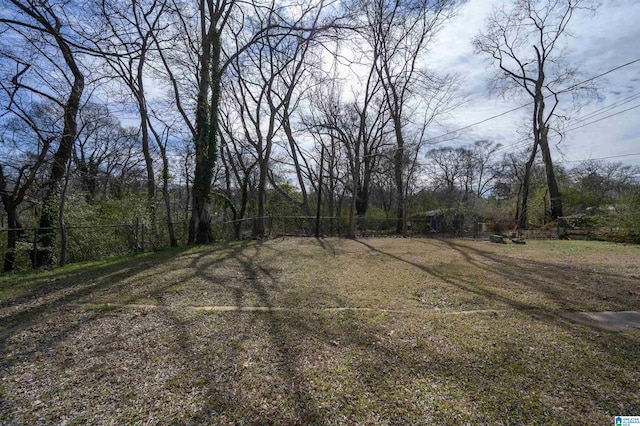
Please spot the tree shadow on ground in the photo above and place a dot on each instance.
(555, 280)
(285, 356)
(350, 367)
(22, 312)
(541, 277)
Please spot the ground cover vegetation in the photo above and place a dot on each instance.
(135, 125)
(324, 331)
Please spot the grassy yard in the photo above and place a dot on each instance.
(306, 331)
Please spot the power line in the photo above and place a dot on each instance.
(601, 158)
(478, 122)
(634, 154)
(530, 103)
(516, 145)
(600, 75)
(614, 105)
(600, 119)
(520, 144)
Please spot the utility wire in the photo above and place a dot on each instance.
(600, 119)
(600, 75)
(619, 103)
(601, 158)
(514, 145)
(614, 105)
(634, 154)
(530, 103)
(477, 123)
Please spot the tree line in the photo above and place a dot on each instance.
(225, 109)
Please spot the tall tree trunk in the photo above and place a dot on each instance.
(398, 164)
(44, 255)
(259, 230)
(151, 184)
(331, 187)
(541, 132)
(351, 231)
(167, 200)
(319, 200)
(523, 219)
(362, 203)
(296, 162)
(200, 222)
(15, 232)
(207, 124)
(552, 183)
(518, 198)
(146, 152)
(64, 235)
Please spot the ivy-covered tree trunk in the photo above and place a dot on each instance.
(51, 25)
(362, 204)
(207, 126)
(200, 222)
(44, 256)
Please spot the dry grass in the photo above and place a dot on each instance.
(438, 331)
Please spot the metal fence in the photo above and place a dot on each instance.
(91, 242)
(94, 242)
(305, 226)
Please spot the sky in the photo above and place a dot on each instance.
(600, 42)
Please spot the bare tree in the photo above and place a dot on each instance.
(526, 42)
(44, 26)
(216, 35)
(464, 173)
(360, 127)
(483, 163)
(94, 145)
(124, 37)
(448, 166)
(256, 74)
(334, 164)
(267, 87)
(21, 162)
(239, 163)
(398, 33)
(162, 138)
(122, 165)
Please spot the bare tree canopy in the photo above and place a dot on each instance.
(526, 40)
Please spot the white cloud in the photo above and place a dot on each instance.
(601, 42)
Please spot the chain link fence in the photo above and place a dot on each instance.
(90, 242)
(305, 226)
(94, 242)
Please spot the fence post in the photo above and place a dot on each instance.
(34, 258)
(136, 235)
(143, 237)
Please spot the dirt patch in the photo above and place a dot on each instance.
(610, 321)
